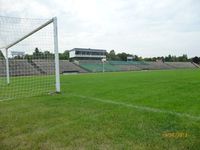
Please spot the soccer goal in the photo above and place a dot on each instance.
(29, 58)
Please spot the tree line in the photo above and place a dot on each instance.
(112, 55)
(170, 58)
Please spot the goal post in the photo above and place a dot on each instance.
(56, 54)
(5, 55)
(7, 67)
(35, 63)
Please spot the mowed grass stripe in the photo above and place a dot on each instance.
(143, 108)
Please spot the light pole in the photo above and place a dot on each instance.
(103, 61)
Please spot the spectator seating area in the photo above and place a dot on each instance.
(97, 66)
(66, 66)
(158, 66)
(18, 68)
(127, 63)
(39, 67)
(180, 65)
(2, 68)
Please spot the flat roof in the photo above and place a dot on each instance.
(88, 49)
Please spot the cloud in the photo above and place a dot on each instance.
(145, 27)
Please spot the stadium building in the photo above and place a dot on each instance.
(86, 54)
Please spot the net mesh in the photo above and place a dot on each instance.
(31, 61)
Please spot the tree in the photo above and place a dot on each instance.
(182, 58)
(168, 58)
(64, 55)
(137, 58)
(123, 56)
(37, 54)
(112, 56)
(1, 55)
(196, 60)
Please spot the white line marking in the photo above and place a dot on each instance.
(5, 100)
(144, 108)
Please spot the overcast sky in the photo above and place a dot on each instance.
(142, 27)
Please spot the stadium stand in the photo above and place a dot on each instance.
(127, 63)
(3, 68)
(96, 66)
(65, 66)
(196, 65)
(128, 68)
(140, 65)
(89, 62)
(133, 65)
(99, 67)
(39, 67)
(180, 65)
(19, 68)
(158, 65)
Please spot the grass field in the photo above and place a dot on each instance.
(23, 86)
(124, 110)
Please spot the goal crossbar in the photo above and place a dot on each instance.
(29, 34)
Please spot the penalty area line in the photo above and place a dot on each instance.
(6, 100)
(143, 108)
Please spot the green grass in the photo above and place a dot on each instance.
(23, 86)
(123, 110)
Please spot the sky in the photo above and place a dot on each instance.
(141, 27)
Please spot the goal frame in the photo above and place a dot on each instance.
(56, 53)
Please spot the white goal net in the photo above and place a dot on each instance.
(29, 63)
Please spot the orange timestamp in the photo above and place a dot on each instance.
(175, 134)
